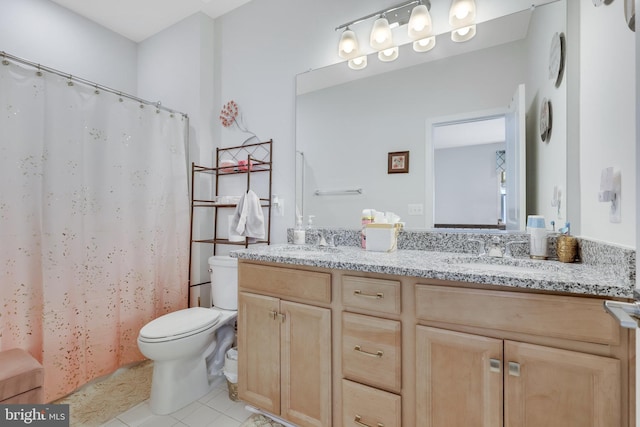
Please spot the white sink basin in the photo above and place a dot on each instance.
(507, 264)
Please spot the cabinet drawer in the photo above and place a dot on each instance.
(362, 405)
(285, 282)
(371, 350)
(371, 294)
(566, 317)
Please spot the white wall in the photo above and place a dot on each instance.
(607, 119)
(43, 32)
(260, 47)
(176, 66)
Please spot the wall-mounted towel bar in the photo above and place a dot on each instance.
(623, 311)
(346, 192)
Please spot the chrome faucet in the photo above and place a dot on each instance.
(495, 250)
(323, 241)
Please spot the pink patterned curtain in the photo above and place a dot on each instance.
(94, 223)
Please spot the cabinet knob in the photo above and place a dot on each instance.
(360, 423)
(379, 353)
(494, 365)
(273, 314)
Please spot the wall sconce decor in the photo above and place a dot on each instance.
(415, 14)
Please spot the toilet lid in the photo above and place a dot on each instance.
(179, 323)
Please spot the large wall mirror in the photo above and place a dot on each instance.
(347, 123)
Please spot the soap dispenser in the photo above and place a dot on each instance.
(310, 224)
(299, 237)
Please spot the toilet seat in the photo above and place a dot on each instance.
(179, 324)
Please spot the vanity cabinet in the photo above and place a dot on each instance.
(323, 347)
(470, 379)
(284, 347)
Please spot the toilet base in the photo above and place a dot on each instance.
(177, 383)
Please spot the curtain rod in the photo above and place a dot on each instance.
(40, 67)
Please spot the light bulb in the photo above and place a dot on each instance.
(358, 63)
(464, 34)
(348, 46)
(381, 37)
(419, 23)
(462, 12)
(424, 45)
(388, 55)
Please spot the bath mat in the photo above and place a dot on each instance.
(103, 400)
(258, 420)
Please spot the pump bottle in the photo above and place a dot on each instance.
(299, 237)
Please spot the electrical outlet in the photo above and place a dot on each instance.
(416, 209)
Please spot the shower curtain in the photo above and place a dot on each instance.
(94, 223)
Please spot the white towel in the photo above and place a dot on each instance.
(248, 219)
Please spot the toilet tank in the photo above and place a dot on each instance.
(224, 282)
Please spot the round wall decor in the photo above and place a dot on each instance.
(556, 58)
(546, 119)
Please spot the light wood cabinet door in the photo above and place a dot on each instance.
(259, 351)
(306, 364)
(548, 387)
(458, 379)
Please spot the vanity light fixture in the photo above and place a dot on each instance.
(358, 63)
(381, 37)
(415, 13)
(462, 17)
(463, 34)
(348, 46)
(424, 45)
(388, 55)
(420, 28)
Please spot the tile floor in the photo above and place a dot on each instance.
(212, 410)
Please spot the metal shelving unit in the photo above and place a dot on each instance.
(258, 158)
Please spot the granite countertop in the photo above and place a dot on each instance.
(518, 272)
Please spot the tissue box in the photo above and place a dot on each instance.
(382, 237)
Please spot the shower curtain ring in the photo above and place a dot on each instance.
(97, 92)
(70, 82)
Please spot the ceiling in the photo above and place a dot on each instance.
(140, 19)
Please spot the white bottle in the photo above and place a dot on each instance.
(299, 237)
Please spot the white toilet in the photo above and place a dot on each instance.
(182, 344)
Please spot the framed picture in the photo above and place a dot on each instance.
(398, 162)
